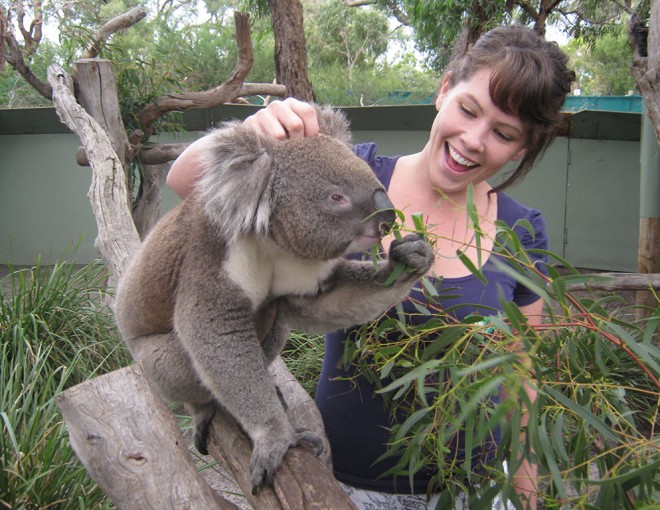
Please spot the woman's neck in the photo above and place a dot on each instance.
(446, 216)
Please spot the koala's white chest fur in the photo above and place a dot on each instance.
(263, 270)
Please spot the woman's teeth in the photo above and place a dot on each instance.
(460, 159)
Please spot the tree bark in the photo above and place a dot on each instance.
(121, 22)
(290, 48)
(129, 443)
(301, 483)
(646, 67)
(97, 94)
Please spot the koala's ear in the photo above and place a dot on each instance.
(334, 123)
(234, 189)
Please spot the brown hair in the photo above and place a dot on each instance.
(529, 79)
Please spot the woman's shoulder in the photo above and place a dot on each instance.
(511, 210)
(528, 223)
(382, 166)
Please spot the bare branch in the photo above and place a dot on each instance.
(619, 281)
(126, 437)
(32, 35)
(232, 88)
(392, 6)
(121, 22)
(16, 59)
(149, 155)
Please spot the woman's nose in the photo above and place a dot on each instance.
(473, 139)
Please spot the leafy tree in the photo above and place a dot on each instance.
(354, 38)
(603, 66)
(441, 27)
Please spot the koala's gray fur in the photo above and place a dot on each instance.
(208, 300)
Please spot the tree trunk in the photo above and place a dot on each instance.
(290, 48)
(128, 441)
(147, 208)
(646, 70)
(97, 94)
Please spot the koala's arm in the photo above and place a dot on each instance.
(356, 293)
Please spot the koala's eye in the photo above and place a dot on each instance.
(336, 197)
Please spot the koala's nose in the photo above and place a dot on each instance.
(385, 215)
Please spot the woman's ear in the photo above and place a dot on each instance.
(521, 153)
(442, 92)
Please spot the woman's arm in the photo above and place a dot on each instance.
(281, 119)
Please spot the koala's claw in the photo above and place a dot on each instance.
(414, 251)
(267, 458)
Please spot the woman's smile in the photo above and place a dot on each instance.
(457, 162)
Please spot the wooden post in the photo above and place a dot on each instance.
(97, 94)
(648, 258)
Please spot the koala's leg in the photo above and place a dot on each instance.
(168, 366)
(217, 330)
(356, 293)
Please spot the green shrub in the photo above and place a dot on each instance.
(55, 332)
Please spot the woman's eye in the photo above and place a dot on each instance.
(466, 110)
(503, 136)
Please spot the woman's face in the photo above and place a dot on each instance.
(471, 138)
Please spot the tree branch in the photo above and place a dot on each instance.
(619, 281)
(232, 88)
(16, 59)
(121, 22)
(31, 36)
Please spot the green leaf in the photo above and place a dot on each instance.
(473, 269)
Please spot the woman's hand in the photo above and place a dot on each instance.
(290, 118)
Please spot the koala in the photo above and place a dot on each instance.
(258, 248)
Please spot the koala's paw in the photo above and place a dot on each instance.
(413, 251)
(267, 455)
